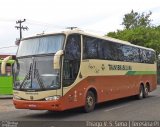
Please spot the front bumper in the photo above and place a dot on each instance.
(54, 105)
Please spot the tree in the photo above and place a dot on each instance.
(134, 19)
(147, 37)
(138, 30)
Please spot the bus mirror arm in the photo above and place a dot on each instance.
(3, 65)
(56, 60)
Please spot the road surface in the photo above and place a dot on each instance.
(127, 109)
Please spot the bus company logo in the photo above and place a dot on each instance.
(91, 66)
(103, 67)
(119, 67)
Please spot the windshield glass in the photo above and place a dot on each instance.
(41, 45)
(36, 73)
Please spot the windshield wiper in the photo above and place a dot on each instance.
(39, 79)
(28, 76)
(37, 75)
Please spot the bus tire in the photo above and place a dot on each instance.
(90, 102)
(141, 93)
(146, 91)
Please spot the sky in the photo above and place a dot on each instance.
(94, 16)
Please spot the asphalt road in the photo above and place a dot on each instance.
(127, 109)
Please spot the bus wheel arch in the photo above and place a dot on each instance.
(90, 100)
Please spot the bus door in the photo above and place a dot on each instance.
(71, 62)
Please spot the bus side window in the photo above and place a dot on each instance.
(72, 56)
(90, 47)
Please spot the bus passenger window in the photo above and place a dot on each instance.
(72, 50)
(90, 47)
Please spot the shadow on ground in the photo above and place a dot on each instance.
(52, 115)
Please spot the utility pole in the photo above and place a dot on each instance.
(20, 27)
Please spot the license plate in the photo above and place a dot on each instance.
(32, 105)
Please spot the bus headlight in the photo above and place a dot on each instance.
(56, 97)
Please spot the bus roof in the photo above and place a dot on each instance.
(106, 38)
(78, 31)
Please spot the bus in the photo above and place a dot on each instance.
(73, 68)
(6, 78)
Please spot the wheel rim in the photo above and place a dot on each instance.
(90, 101)
(146, 91)
(141, 93)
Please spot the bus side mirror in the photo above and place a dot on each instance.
(3, 65)
(56, 60)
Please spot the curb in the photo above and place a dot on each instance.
(6, 96)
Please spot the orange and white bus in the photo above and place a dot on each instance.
(72, 69)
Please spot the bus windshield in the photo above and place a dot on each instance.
(41, 45)
(36, 74)
(33, 69)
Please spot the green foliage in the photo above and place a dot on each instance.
(138, 31)
(134, 19)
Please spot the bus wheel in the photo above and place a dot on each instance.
(141, 92)
(146, 92)
(89, 102)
